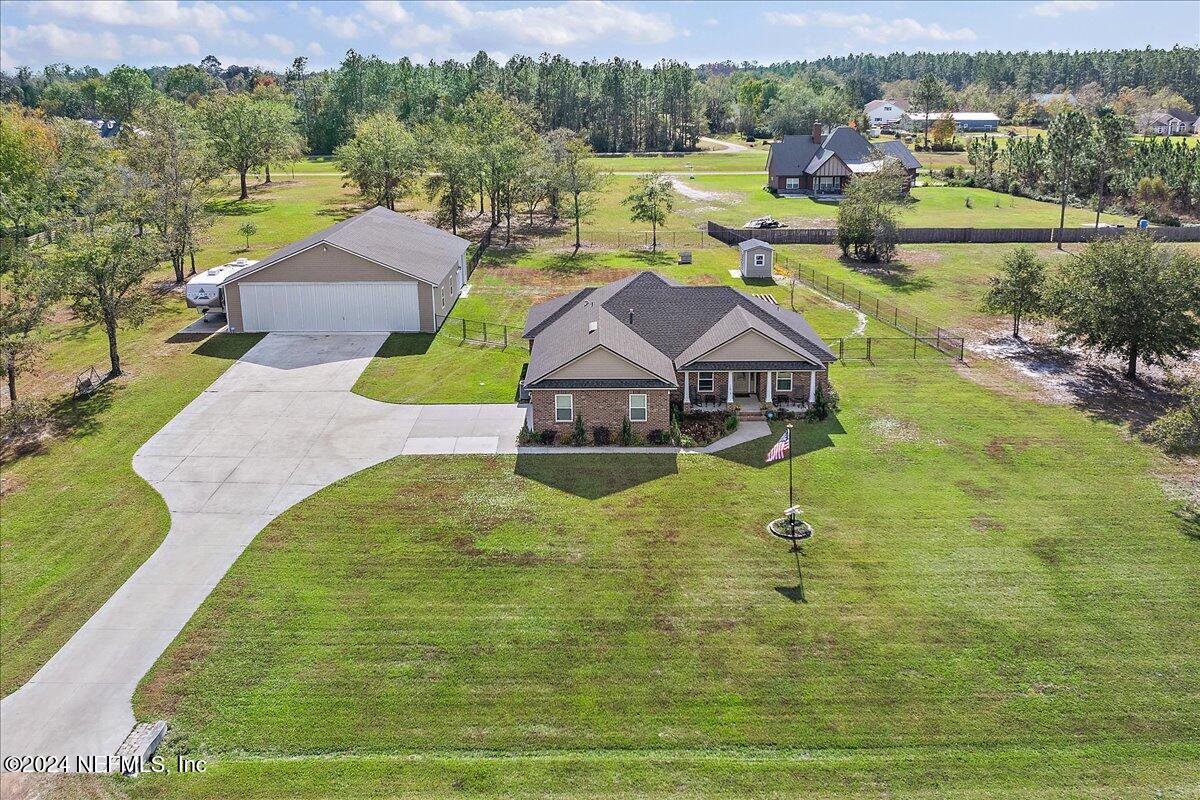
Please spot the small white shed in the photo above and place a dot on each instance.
(758, 259)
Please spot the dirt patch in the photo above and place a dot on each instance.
(985, 524)
(10, 484)
(541, 279)
(466, 545)
(977, 491)
(703, 195)
(1003, 448)
(1047, 550)
(888, 430)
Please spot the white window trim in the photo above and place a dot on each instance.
(760, 260)
(779, 376)
(645, 408)
(700, 379)
(570, 408)
(791, 183)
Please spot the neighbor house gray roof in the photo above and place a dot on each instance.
(896, 149)
(386, 237)
(800, 155)
(750, 244)
(1182, 115)
(659, 324)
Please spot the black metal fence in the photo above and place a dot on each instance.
(639, 240)
(940, 338)
(950, 235)
(896, 348)
(477, 253)
(494, 334)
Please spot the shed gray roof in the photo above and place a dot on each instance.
(658, 324)
(386, 237)
(750, 244)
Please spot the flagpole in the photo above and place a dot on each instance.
(791, 504)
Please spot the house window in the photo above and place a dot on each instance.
(760, 260)
(704, 382)
(637, 408)
(792, 183)
(442, 292)
(783, 381)
(826, 184)
(564, 408)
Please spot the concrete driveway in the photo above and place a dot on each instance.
(279, 425)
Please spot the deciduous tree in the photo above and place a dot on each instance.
(382, 159)
(651, 200)
(1019, 289)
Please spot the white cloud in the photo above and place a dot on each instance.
(187, 44)
(240, 14)
(389, 11)
(454, 11)
(161, 14)
(43, 42)
(563, 25)
(711, 22)
(1056, 8)
(790, 20)
(315, 49)
(341, 27)
(836, 20)
(279, 44)
(419, 35)
(908, 29)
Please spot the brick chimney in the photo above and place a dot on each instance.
(818, 133)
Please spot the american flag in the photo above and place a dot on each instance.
(781, 447)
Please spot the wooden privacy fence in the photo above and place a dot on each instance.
(495, 334)
(949, 235)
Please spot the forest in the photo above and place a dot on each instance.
(625, 106)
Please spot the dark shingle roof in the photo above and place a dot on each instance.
(897, 150)
(386, 237)
(654, 322)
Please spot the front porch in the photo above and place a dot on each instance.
(749, 392)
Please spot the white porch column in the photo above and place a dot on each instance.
(770, 381)
(729, 389)
(687, 388)
(812, 386)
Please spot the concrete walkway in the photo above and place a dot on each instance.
(746, 432)
(278, 426)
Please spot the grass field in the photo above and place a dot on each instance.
(442, 368)
(620, 609)
(703, 161)
(77, 519)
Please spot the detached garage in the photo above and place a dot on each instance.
(378, 271)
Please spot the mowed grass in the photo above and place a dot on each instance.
(738, 198)
(443, 368)
(77, 520)
(990, 579)
(702, 161)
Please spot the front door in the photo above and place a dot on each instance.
(741, 383)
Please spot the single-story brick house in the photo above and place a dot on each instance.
(824, 163)
(376, 271)
(630, 349)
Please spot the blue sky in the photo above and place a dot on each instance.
(270, 34)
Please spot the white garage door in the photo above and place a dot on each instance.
(343, 306)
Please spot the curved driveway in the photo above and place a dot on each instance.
(277, 426)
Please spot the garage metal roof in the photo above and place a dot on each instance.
(388, 238)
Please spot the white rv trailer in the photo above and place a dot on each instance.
(204, 291)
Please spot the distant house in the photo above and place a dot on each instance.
(635, 347)
(884, 113)
(824, 163)
(107, 128)
(1170, 122)
(965, 121)
(1055, 97)
(757, 259)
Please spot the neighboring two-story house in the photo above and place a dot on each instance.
(885, 113)
(629, 349)
(823, 164)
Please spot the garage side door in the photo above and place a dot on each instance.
(342, 306)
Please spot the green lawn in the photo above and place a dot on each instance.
(424, 368)
(703, 161)
(973, 618)
(77, 519)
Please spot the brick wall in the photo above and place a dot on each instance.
(721, 381)
(607, 407)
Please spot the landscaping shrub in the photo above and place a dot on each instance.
(579, 435)
(676, 434)
(824, 403)
(627, 437)
(526, 436)
(547, 436)
(731, 423)
(601, 436)
(1178, 431)
(702, 428)
(656, 437)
